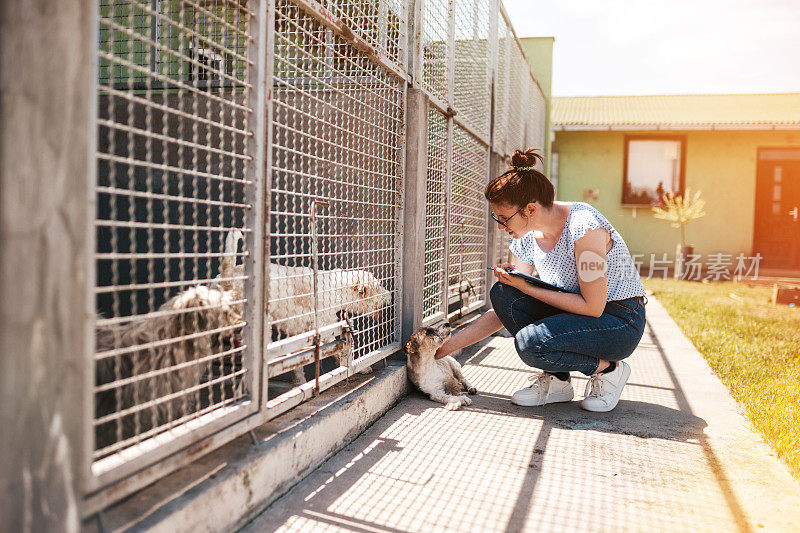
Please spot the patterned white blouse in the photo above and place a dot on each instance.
(558, 266)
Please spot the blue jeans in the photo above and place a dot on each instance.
(554, 340)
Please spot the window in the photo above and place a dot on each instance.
(654, 166)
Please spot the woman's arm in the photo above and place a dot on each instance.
(590, 252)
(478, 330)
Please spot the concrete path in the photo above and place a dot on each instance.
(675, 455)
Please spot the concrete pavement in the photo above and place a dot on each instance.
(675, 455)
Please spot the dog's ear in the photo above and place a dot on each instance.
(362, 289)
(229, 261)
(412, 346)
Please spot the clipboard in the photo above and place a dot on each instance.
(534, 281)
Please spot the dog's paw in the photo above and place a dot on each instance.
(472, 390)
(453, 405)
(465, 400)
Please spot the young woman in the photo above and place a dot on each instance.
(589, 329)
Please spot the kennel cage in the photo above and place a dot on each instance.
(224, 118)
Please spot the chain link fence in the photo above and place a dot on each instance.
(248, 228)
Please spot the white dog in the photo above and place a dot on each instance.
(440, 379)
(290, 294)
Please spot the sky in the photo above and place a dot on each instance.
(628, 47)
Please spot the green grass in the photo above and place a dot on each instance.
(752, 345)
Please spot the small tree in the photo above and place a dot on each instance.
(680, 210)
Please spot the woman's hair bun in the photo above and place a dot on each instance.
(528, 158)
(522, 183)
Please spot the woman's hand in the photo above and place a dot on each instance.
(504, 277)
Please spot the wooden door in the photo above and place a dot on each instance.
(777, 212)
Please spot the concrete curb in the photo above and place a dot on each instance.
(228, 487)
(758, 487)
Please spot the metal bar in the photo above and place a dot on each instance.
(167, 255)
(438, 317)
(367, 360)
(463, 313)
(153, 135)
(156, 7)
(451, 53)
(298, 342)
(164, 371)
(447, 215)
(110, 91)
(415, 58)
(145, 405)
(86, 449)
(415, 210)
(255, 309)
(117, 467)
(311, 354)
(157, 166)
(315, 281)
(146, 225)
(383, 29)
(492, 235)
(167, 197)
(298, 395)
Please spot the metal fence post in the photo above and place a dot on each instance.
(47, 144)
(492, 234)
(414, 49)
(414, 215)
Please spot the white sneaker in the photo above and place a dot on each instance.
(546, 388)
(603, 390)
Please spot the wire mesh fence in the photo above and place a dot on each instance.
(337, 136)
(519, 78)
(471, 88)
(435, 217)
(436, 48)
(173, 179)
(467, 220)
(242, 144)
(502, 72)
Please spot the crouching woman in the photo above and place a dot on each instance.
(589, 329)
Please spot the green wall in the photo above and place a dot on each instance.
(720, 163)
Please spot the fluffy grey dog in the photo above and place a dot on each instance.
(144, 365)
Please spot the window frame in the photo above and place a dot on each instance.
(627, 138)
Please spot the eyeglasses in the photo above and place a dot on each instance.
(509, 218)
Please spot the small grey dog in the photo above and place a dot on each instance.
(441, 379)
